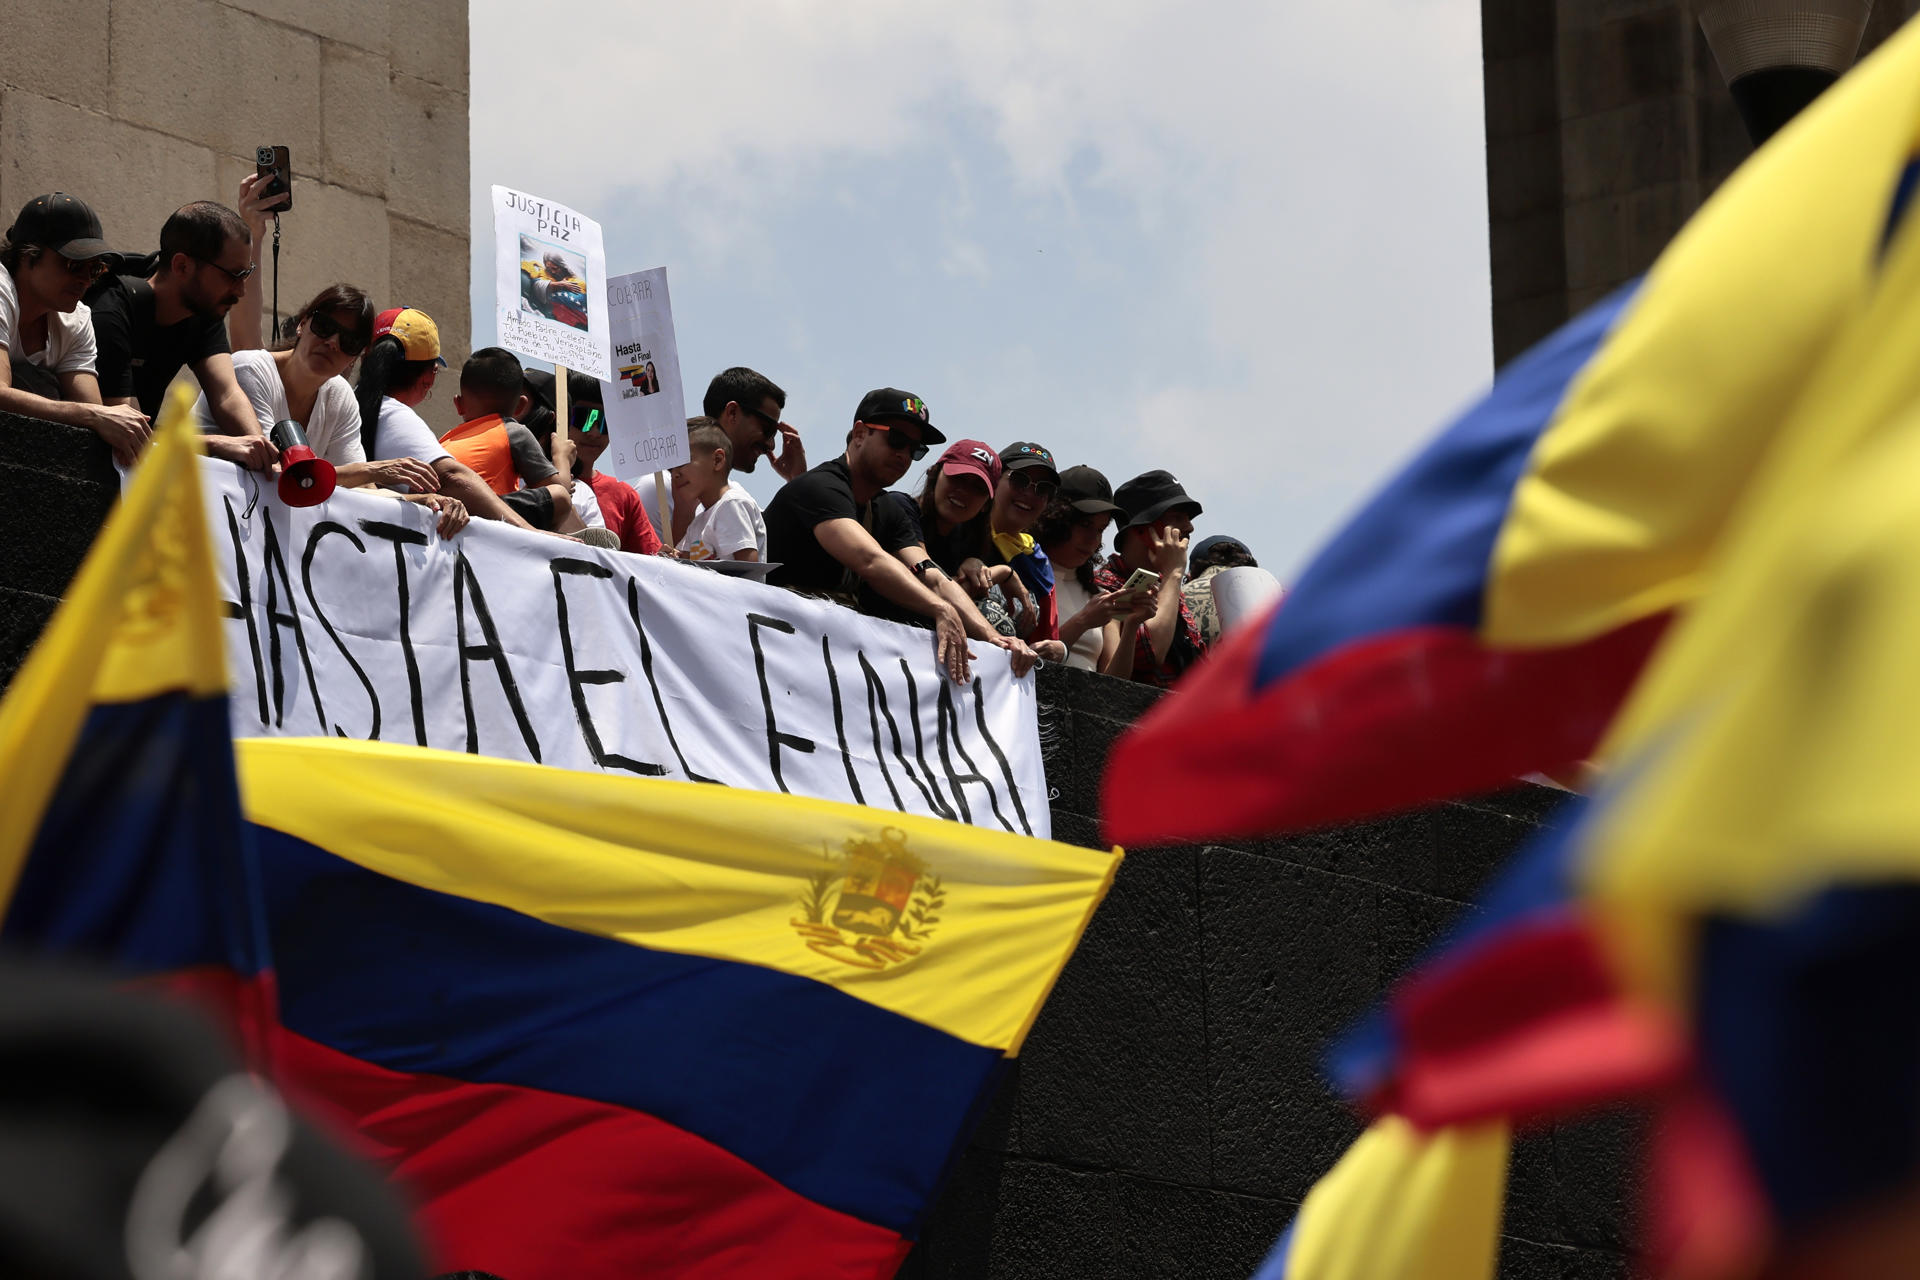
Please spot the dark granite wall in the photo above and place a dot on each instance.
(1167, 1114)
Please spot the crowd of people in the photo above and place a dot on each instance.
(997, 546)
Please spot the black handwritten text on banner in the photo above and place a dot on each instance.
(354, 619)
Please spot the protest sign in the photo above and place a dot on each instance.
(550, 272)
(354, 618)
(646, 408)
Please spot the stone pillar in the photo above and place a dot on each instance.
(139, 106)
(1608, 124)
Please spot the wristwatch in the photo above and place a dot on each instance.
(920, 570)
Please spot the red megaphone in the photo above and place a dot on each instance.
(306, 478)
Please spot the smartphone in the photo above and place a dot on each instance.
(1141, 580)
(275, 161)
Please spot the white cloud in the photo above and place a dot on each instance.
(1313, 172)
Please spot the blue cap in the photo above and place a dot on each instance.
(1199, 550)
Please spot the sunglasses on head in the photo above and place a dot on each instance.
(587, 419)
(900, 440)
(1044, 488)
(323, 326)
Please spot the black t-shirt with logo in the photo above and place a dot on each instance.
(137, 357)
(822, 494)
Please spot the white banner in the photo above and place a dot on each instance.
(354, 618)
(646, 409)
(549, 283)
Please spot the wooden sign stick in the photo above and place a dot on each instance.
(662, 485)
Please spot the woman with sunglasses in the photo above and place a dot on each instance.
(304, 378)
(48, 258)
(1030, 481)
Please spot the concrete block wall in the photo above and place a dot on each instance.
(139, 106)
(1607, 125)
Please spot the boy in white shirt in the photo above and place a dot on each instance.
(713, 518)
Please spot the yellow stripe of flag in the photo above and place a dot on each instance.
(1779, 718)
(959, 927)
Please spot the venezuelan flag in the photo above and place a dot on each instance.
(1401, 1205)
(121, 840)
(606, 1027)
(1484, 615)
(1750, 869)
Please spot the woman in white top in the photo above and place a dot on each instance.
(1093, 624)
(305, 380)
(49, 257)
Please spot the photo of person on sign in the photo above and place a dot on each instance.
(553, 283)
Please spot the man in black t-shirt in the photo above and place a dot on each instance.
(828, 534)
(147, 329)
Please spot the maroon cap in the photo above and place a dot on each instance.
(974, 458)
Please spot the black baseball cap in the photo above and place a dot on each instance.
(1023, 454)
(891, 404)
(1150, 495)
(63, 223)
(1087, 491)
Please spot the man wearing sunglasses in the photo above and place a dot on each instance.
(149, 328)
(827, 535)
(747, 405)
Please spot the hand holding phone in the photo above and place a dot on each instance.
(274, 164)
(1142, 582)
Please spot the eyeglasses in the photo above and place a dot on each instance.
(323, 326)
(235, 276)
(900, 440)
(587, 419)
(86, 268)
(1044, 488)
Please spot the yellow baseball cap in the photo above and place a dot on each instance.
(418, 335)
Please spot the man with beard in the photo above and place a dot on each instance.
(827, 535)
(147, 329)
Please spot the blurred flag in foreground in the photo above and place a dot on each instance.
(121, 839)
(1749, 880)
(1485, 614)
(1401, 1205)
(1762, 865)
(602, 1026)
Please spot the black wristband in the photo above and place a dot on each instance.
(920, 570)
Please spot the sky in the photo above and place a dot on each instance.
(1245, 242)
